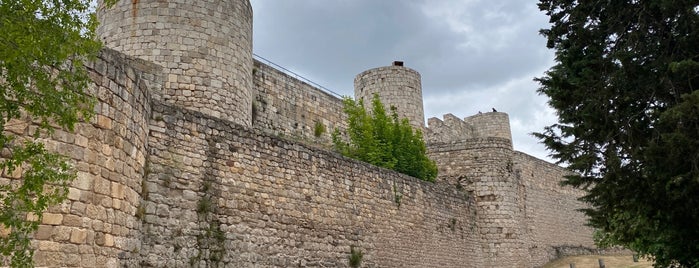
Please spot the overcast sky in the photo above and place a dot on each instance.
(473, 55)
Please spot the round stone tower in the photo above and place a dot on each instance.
(205, 47)
(396, 86)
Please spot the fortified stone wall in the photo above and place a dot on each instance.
(97, 226)
(453, 129)
(525, 217)
(179, 168)
(286, 106)
(222, 194)
(204, 47)
(551, 215)
(397, 86)
(217, 192)
(483, 167)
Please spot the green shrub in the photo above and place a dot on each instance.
(384, 140)
(355, 257)
(318, 129)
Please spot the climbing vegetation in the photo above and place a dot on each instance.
(384, 140)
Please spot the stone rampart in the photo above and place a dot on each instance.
(198, 157)
(97, 225)
(551, 211)
(165, 186)
(222, 194)
(204, 47)
(484, 168)
(286, 106)
(397, 86)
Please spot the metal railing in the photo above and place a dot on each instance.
(295, 75)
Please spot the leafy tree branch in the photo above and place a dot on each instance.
(43, 49)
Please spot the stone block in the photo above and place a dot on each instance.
(108, 240)
(73, 194)
(52, 219)
(61, 233)
(49, 258)
(83, 181)
(72, 220)
(49, 246)
(117, 190)
(44, 232)
(88, 260)
(104, 122)
(102, 186)
(78, 236)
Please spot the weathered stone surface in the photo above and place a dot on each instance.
(286, 106)
(398, 87)
(180, 169)
(52, 219)
(204, 47)
(78, 236)
(282, 212)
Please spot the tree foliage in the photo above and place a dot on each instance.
(43, 47)
(625, 89)
(384, 140)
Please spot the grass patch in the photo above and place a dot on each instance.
(622, 261)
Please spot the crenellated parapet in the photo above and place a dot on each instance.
(199, 156)
(452, 129)
(476, 154)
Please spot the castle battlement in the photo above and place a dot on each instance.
(199, 156)
(453, 129)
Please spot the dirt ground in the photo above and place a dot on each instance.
(592, 262)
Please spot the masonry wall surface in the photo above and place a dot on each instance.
(197, 157)
(398, 87)
(453, 129)
(483, 167)
(222, 194)
(286, 106)
(551, 217)
(204, 47)
(96, 226)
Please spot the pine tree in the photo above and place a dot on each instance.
(625, 90)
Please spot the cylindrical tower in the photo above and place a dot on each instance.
(204, 46)
(491, 124)
(396, 86)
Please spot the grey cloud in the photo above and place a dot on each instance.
(472, 54)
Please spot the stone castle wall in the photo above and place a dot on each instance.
(97, 225)
(199, 156)
(222, 194)
(286, 106)
(550, 210)
(526, 218)
(483, 167)
(204, 47)
(397, 86)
